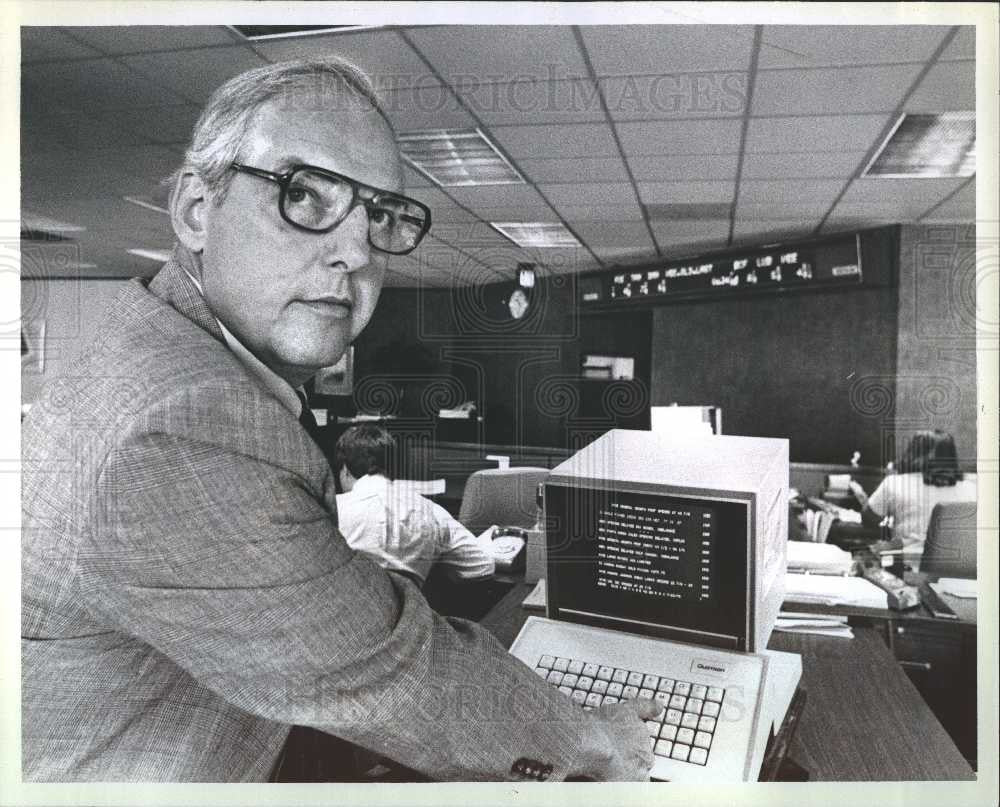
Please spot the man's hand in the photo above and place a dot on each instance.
(859, 493)
(621, 751)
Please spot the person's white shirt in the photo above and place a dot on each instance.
(405, 532)
(909, 500)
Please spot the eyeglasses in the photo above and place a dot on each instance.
(317, 200)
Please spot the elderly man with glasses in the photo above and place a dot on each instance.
(186, 594)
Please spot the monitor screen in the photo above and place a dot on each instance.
(646, 562)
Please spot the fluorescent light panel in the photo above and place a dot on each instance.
(941, 145)
(159, 255)
(262, 32)
(34, 221)
(457, 158)
(536, 233)
(148, 204)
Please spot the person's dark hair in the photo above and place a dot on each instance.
(365, 449)
(933, 454)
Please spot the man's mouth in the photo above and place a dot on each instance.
(334, 307)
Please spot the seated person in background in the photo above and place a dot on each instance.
(926, 475)
(401, 530)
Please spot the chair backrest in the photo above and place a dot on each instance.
(950, 548)
(505, 497)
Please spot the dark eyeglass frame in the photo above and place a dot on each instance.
(361, 193)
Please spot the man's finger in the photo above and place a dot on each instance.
(647, 709)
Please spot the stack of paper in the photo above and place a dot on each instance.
(956, 587)
(821, 589)
(789, 622)
(805, 556)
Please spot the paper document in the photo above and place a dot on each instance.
(824, 589)
(814, 557)
(956, 587)
(816, 624)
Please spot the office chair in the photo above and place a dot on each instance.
(501, 496)
(950, 548)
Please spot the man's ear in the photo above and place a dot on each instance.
(189, 205)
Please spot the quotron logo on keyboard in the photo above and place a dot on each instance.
(699, 665)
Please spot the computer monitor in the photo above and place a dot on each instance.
(672, 536)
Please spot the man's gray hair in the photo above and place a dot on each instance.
(229, 114)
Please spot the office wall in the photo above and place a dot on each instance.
(70, 311)
(936, 358)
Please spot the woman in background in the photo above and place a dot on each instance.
(926, 475)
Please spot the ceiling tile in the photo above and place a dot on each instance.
(39, 42)
(146, 38)
(596, 211)
(90, 84)
(963, 46)
(684, 95)
(852, 223)
(556, 140)
(383, 55)
(819, 45)
(680, 137)
(426, 107)
(570, 194)
(195, 74)
(528, 102)
(598, 169)
(602, 234)
(684, 167)
(773, 211)
(160, 124)
(871, 190)
(632, 50)
(825, 133)
(948, 86)
(789, 191)
(70, 131)
(961, 207)
(779, 229)
(439, 203)
(831, 91)
(494, 53)
(686, 192)
(802, 165)
(414, 179)
(485, 196)
(625, 254)
(667, 232)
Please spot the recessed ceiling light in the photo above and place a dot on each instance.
(942, 145)
(147, 203)
(159, 255)
(457, 157)
(536, 233)
(34, 221)
(258, 32)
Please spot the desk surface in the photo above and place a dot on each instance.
(863, 719)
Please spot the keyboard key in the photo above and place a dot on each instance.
(703, 739)
(715, 694)
(680, 752)
(566, 690)
(599, 686)
(668, 732)
(663, 748)
(699, 756)
(646, 693)
(546, 661)
(579, 696)
(710, 709)
(693, 704)
(635, 679)
(676, 701)
(583, 682)
(661, 698)
(570, 680)
(542, 671)
(561, 664)
(615, 689)
(685, 736)
(609, 699)
(682, 688)
(665, 685)
(593, 699)
(688, 720)
(605, 673)
(555, 677)
(630, 692)
(673, 717)
(650, 681)
(699, 691)
(620, 676)
(575, 667)
(653, 727)
(706, 723)
(590, 670)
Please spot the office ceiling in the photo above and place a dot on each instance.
(645, 141)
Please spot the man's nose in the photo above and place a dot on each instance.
(347, 244)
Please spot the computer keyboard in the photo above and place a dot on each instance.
(684, 728)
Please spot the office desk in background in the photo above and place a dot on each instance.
(863, 718)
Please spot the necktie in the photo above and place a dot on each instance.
(307, 419)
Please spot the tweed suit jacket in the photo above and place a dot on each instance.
(186, 595)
